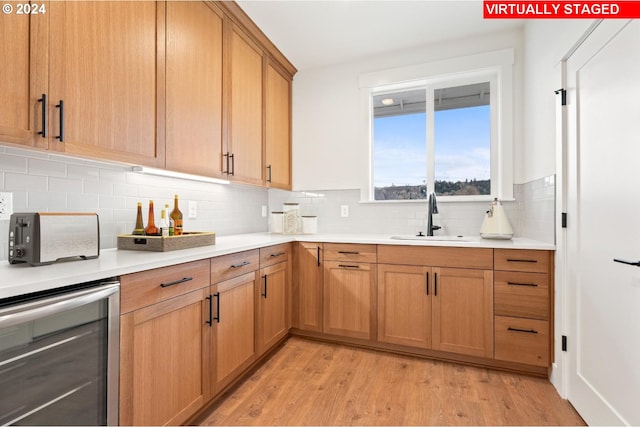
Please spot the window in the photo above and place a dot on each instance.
(450, 133)
(458, 136)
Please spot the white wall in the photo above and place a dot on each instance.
(545, 44)
(329, 151)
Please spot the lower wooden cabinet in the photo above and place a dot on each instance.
(163, 346)
(404, 305)
(350, 299)
(463, 311)
(271, 303)
(307, 286)
(232, 329)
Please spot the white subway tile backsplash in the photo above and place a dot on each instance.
(10, 163)
(46, 168)
(46, 201)
(82, 172)
(23, 182)
(65, 185)
(98, 187)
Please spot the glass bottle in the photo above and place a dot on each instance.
(139, 230)
(151, 229)
(176, 216)
(164, 222)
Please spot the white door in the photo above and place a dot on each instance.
(603, 202)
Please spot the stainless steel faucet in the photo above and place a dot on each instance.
(433, 209)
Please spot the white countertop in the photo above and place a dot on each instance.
(22, 279)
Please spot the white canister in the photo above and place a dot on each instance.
(309, 224)
(277, 222)
(291, 223)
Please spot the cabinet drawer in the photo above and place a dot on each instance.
(350, 252)
(522, 340)
(274, 254)
(522, 260)
(150, 287)
(521, 294)
(233, 265)
(436, 256)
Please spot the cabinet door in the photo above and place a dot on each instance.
(24, 49)
(271, 306)
(307, 287)
(463, 311)
(278, 128)
(244, 144)
(107, 66)
(194, 88)
(404, 305)
(233, 348)
(349, 299)
(161, 364)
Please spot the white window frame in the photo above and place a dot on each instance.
(495, 67)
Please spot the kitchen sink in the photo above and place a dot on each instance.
(433, 238)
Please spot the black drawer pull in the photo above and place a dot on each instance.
(226, 157)
(242, 264)
(61, 107)
(427, 283)
(533, 285)
(348, 253)
(318, 256)
(348, 266)
(277, 254)
(269, 179)
(176, 282)
(529, 331)
(265, 287)
(217, 318)
(533, 261)
(435, 285)
(44, 115)
(210, 321)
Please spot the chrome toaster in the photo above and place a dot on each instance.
(38, 238)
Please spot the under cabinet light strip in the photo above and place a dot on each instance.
(180, 175)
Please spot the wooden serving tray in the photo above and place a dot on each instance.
(189, 239)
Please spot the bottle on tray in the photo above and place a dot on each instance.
(176, 216)
(139, 230)
(151, 229)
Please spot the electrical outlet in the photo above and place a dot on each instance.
(193, 209)
(344, 211)
(6, 205)
(264, 211)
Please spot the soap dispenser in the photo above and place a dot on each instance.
(496, 225)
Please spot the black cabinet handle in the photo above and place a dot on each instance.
(217, 318)
(277, 255)
(348, 266)
(533, 261)
(210, 321)
(427, 283)
(61, 107)
(242, 264)
(528, 331)
(233, 164)
(176, 282)
(622, 261)
(533, 285)
(269, 179)
(435, 285)
(44, 115)
(265, 287)
(318, 256)
(348, 253)
(226, 156)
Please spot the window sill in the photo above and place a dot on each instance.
(440, 199)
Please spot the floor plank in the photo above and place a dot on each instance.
(313, 383)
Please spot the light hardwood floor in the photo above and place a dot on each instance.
(313, 383)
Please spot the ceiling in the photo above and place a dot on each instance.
(316, 33)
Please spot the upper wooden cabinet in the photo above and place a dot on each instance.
(24, 49)
(194, 88)
(106, 81)
(277, 127)
(243, 157)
